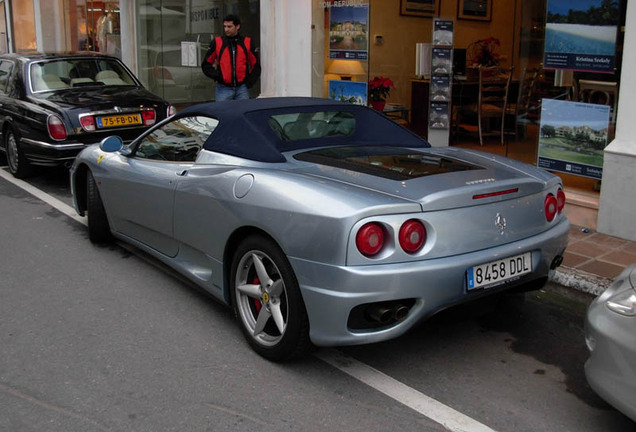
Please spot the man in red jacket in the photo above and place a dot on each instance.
(232, 62)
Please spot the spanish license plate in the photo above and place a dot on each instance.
(118, 120)
(500, 271)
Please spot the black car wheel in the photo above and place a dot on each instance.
(267, 301)
(98, 228)
(16, 161)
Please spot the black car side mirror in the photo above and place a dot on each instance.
(111, 144)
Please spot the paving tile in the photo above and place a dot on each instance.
(602, 269)
(619, 257)
(630, 247)
(571, 259)
(576, 234)
(588, 249)
(609, 241)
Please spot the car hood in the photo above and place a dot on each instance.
(456, 178)
(97, 98)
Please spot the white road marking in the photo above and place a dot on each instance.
(449, 418)
(446, 416)
(50, 200)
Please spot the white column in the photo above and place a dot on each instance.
(127, 15)
(285, 48)
(617, 209)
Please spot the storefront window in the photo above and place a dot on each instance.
(395, 30)
(23, 26)
(173, 40)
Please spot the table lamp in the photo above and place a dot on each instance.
(346, 69)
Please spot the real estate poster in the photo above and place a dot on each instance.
(354, 92)
(348, 30)
(581, 35)
(572, 137)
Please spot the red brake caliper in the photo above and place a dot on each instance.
(257, 303)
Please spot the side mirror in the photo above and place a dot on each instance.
(111, 144)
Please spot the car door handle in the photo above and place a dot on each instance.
(182, 173)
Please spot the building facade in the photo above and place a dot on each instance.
(163, 41)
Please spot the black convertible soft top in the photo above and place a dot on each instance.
(244, 129)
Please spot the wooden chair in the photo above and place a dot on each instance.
(517, 112)
(492, 101)
(599, 92)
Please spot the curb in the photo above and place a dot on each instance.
(582, 281)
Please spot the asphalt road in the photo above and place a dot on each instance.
(107, 339)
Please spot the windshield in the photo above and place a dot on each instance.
(77, 72)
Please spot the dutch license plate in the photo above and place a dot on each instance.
(118, 120)
(497, 272)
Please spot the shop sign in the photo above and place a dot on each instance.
(205, 16)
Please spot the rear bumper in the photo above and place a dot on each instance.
(50, 154)
(331, 292)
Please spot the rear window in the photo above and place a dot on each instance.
(391, 163)
(310, 125)
(77, 72)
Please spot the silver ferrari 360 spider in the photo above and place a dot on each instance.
(319, 222)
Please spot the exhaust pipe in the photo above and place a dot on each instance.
(400, 312)
(380, 313)
(556, 262)
(385, 314)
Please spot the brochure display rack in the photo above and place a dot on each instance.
(439, 112)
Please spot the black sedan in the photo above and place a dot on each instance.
(54, 105)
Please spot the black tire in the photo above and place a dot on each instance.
(16, 160)
(272, 315)
(98, 228)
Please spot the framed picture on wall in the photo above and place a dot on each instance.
(478, 10)
(420, 8)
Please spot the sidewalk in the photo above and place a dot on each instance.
(592, 260)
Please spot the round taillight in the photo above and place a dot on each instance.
(56, 128)
(550, 207)
(560, 200)
(412, 236)
(370, 239)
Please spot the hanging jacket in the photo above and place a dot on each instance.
(232, 61)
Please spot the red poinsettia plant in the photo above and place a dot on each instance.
(380, 88)
(483, 53)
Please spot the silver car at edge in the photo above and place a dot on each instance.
(611, 338)
(322, 223)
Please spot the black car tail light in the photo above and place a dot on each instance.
(412, 236)
(56, 128)
(560, 200)
(550, 207)
(149, 117)
(370, 239)
(88, 123)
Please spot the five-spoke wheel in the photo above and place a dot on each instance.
(267, 300)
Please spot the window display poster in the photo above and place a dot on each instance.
(353, 92)
(441, 88)
(438, 116)
(441, 61)
(581, 35)
(572, 136)
(443, 33)
(348, 30)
